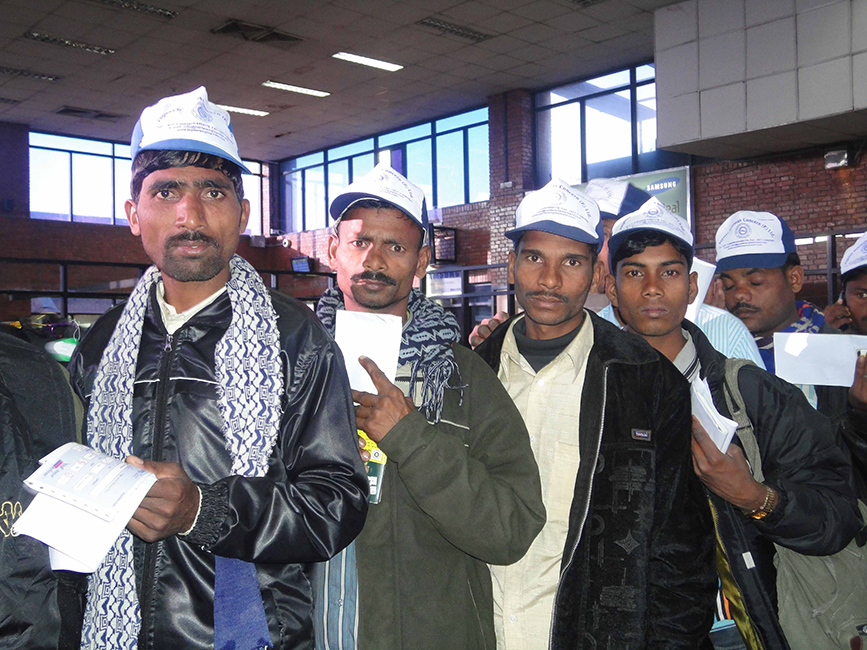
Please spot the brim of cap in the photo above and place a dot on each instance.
(181, 144)
(345, 201)
(615, 241)
(752, 261)
(569, 232)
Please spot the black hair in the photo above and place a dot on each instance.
(792, 260)
(148, 162)
(853, 275)
(635, 244)
(377, 204)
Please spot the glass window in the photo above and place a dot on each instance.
(384, 156)
(479, 160)
(122, 178)
(293, 199)
(412, 133)
(455, 121)
(123, 151)
(315, 209)
(609, 135)
(609, 81)
(350, 149)
(418, 167)
(450, 169)
(308, 160)
(646, 96)
(559, 142)
(70, 144)
(253, 193)
(361, 165)
(645, 72)
(254, 167)
(49, 185)
(338, 178)
(92, 189)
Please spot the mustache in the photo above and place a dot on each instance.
(375, 276)
(191, 236)
(744, 305)
(549, 295)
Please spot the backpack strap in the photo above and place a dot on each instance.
(737, 408)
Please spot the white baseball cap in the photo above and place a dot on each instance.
(753, 240)
(188, 122)
(855, 256)
(559, 209)
(653, 215)
(384, 184)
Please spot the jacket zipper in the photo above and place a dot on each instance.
(150, 553)
(586, 508)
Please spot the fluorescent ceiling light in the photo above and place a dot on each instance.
(67, 42)
(364, 60)
(243, 111)
(294, 89)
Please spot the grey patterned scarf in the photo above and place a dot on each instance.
(426, 344)
(248, 355)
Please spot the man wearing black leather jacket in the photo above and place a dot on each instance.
(236, 399)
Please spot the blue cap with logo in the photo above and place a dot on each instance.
(188, 122)
(748, 240)
(653, 215)
(559, 209)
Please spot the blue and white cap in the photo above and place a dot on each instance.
(384, 184)
(855, 256)
(188, 122)
(615, 199)
(653, 215)
(748, 240)
(559, 209)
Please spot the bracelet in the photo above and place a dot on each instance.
(771, 500)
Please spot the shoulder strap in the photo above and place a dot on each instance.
(735, 403)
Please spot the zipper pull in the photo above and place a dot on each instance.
(168, 345)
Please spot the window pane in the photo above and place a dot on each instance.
(307, 161)
(559, 143)
(350, 149)
(293, 202)
(49, 187)
(122, 177)
(480, 186)
(609, 135)
(646, 117)
(314, 198)
(450, 169)
(471, 117)
(122, 151)
(338, 178)
(253, 193)
(418, 167)
(253, 166)
(644, 72)
(73, 144)
(92, 188)
(582, 88)
(361, 165)
(613, 80)
(403, 135)
(384, 156)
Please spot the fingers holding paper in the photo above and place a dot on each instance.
(170, 506)
(725, 474)
(858, 391)
(377, 414)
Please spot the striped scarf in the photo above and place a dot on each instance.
(250, 383)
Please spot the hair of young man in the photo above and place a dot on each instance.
(147, 162)
(643, 239)
(792, 260)
(854, 274)
(594, 254)
(376, 204)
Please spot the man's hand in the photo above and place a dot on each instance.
(170, 506)
(858, 392)
(483, 330)
(715, 297)
(377, 414)
(837, 315)
(725, 474)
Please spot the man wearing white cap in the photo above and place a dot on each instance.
(460, 488)
(235, 397)
(804, 502)
(625, 559)
(849, 313)
(761, 274)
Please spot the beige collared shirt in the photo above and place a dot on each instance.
(172, 319)
(550, 402)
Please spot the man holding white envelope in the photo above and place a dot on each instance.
(461, 487)
(805, 503)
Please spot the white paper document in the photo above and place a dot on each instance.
(375, 336)
(83, 501)
(818, 359)
(720, 429)
(705, 271)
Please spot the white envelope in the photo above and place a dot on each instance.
(375, 336)
(720, 429)
(818, 359)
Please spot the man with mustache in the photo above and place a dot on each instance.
(626, 557)
(761, 274)
(460, 488)
(233, 396)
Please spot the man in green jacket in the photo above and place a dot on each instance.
(461, 487)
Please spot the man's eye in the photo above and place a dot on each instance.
(397, 248)
(634, 273)
(728, 287)
(669, 273)
(573, 262)
(215, 193)
(532, 258)
(164, 194)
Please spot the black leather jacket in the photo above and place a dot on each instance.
(637, 569)
(311, 503)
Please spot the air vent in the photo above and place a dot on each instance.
(257, 33)
(88, 114)
(454, 30)
(59, 40)
(29, 74)
(140, 7)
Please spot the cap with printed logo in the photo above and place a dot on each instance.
(653, 215)
(615, 199)
(753, 240)
(559, 209)
(382, 183)
(188, 122)
(855, 256)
